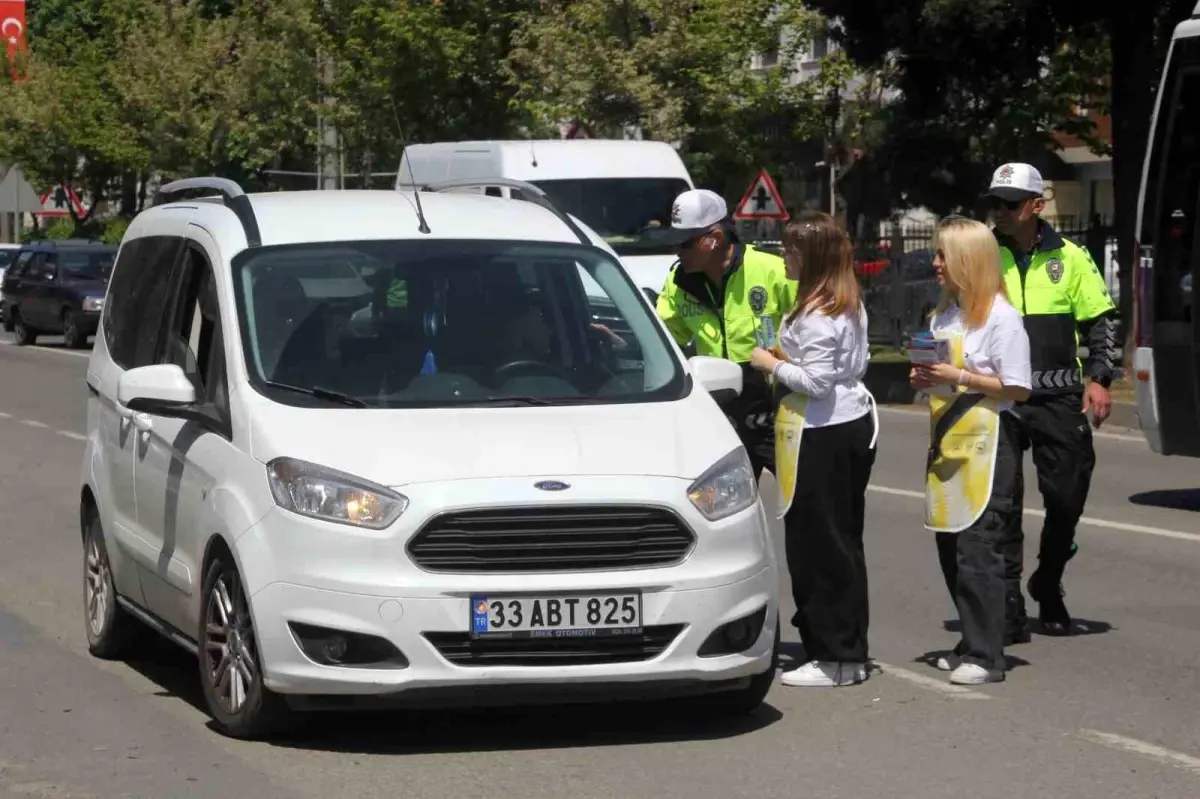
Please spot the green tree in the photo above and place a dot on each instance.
(408, 72)
(984, 81)
(681, 72)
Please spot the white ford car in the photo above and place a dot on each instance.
(478, 491)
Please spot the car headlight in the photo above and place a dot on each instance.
(728, 487)
(93, 304)
(332, 496)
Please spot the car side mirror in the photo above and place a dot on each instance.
(160, 389)
(719, 377)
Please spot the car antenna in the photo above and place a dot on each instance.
(532, 154)
(424, 226)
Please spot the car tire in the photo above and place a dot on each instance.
(111, 630)
(230, 667)
(73, 338)
(23, 336)
(745, 700)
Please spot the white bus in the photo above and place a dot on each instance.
(1166, 331)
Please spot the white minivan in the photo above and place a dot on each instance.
(475, 493)
(622, 189)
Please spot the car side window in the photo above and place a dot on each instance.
(137, 294)
(193, 339)
(21, 264)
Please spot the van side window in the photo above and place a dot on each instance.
(193, 340)
(21, 264)
(137, 295)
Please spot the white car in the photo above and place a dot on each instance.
(479, 495)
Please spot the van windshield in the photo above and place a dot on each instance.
(394, 324)
(626, 212)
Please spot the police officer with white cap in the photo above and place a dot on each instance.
(727, 297)
(1064, 299)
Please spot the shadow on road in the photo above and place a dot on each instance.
(399, 732)
(1172, 499)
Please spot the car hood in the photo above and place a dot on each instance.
(394, 447)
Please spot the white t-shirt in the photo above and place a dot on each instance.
(999, 348)
(826, 359)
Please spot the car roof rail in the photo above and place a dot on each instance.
(536, 196)
(234, 197)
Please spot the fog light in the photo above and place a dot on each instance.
(335, 648)
(738, 635)
(734, 636)
(327, 647)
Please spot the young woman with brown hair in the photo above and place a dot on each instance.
(825, 449)
(973, 484)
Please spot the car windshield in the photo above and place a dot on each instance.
(626, 212)
(88, 265)
(396, 324)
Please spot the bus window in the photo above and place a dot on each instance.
(1177, 200)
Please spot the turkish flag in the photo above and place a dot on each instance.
(12, 25)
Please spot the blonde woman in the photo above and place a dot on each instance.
(974, 483)
(825, 448)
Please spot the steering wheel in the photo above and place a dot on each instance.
(506, 371)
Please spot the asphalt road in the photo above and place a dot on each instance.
(1111, 712)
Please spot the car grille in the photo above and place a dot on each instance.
(546, 539)
(462, 650)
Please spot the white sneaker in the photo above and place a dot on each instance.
(947, 663)
(825, 674)
(974, 674)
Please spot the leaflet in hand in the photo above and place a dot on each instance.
(924, 348)
(765, 335)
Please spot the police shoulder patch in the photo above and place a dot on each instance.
(758, 299)
(1054, 268)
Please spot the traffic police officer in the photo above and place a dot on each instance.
(1056, 286)
(727, 297)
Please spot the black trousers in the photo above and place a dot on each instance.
(753, 418)
(1059, 434)
(824, 540)
(973, 561)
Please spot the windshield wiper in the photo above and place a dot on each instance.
(321, 393)
(538, 401)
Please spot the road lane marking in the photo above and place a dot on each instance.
(36, 348)
(942, 686)
(915, 411)
(1159, 753)
(1088, 520)
(35, 423)
(71, 434)
(4, 415)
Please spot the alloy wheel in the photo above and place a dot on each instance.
(229, 655)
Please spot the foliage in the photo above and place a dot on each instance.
(679, 71)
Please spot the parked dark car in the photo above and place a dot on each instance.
(57, 287)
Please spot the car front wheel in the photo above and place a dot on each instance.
(230, 668)
(110, 629)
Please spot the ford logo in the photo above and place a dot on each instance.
(551, 485)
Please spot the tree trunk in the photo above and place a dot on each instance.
(1133, 91)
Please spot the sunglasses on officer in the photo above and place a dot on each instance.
(996, 203)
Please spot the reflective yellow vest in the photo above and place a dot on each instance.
(723, 320)
(1056, 288)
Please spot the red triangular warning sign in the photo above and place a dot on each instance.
(761, 201)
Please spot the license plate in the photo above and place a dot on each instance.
(556, 615)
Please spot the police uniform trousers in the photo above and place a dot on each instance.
(752, 415)
(824, 540)
(1057, 431)
(973, 560)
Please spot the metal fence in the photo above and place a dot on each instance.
(899, 287)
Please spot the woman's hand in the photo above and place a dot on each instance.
(763, 360)
(937, 374)
(918, 379)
